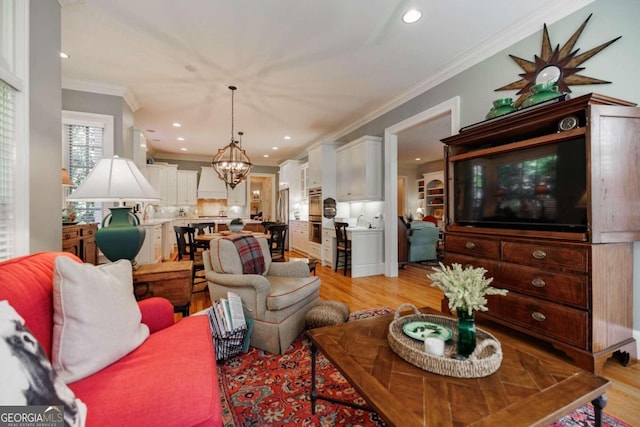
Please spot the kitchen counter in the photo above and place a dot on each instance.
(367, 250)
(155, 221)
(217, 220)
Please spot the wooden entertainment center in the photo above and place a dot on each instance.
(572, 289)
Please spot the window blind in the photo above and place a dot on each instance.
(7, 170)
(84, 148)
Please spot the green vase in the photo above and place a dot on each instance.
(541, 92)
(501, 107)
(122, 238)
(466, 333)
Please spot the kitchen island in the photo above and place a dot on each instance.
(367, 250)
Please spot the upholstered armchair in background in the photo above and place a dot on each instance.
(423, 241)
(277, 300)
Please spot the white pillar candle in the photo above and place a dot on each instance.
(434, 346)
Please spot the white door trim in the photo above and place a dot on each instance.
(451, 107)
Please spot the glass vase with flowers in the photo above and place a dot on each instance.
(466, 290)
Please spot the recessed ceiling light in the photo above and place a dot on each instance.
(64, 55)
(183, 149)
(180, 138)
(418, 159)
(266, 155)
(287, 137)
(176, 125)
(411, 16)
(274, 148)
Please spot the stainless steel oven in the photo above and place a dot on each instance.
(315, 232)
(315, 205)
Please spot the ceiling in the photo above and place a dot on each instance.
(312, 70)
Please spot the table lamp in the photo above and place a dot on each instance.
(119, 180)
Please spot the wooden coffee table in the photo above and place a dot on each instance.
(533, 386)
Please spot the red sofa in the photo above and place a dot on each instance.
(170, 379)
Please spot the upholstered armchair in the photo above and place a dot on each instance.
(423, 241)
(277, 300)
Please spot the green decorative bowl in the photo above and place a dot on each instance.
(236, 228)
(501, 107)
(541, 92)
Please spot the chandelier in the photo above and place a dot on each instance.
(231, 163)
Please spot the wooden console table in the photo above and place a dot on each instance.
(532, 387)
(170, 280)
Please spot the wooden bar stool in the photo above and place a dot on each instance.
(343, 246)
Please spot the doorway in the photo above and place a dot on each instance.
(262, 195)
(450, 107)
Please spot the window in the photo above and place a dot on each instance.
(14, 132)
(7, 171)
(86, 138)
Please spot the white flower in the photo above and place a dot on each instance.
(464, 288)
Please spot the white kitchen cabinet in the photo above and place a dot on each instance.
(322, 168)
(172, 184)
(359, 170)
(314, 171)
(156, 174)
(187, 188)
(168, 240)
(288, 176)
(367, 251)
(237, 196)
(299, 236)
(328, 245)
(315, 250)
(151, 251)
(163, 178)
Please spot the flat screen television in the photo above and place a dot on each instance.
(536, 188)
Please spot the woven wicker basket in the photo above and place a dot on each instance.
(484, 360)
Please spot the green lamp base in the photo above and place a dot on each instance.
(120, 237)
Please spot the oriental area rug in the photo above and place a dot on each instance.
(261, 389)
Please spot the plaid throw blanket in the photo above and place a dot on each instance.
(250, 253)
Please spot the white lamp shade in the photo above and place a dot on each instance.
(115, 180)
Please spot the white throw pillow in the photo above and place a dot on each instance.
(96, 319)
(26, 374)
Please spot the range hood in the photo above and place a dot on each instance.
(210, 186)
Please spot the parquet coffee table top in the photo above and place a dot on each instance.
(532, 387)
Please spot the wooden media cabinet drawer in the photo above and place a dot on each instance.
(540, 255)
(565, 324)
(547, 284)
(473, 246)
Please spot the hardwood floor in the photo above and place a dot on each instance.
(412, 286)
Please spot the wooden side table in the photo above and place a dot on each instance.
(170, 280)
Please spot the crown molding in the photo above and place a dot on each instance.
(103, 89)
(202, 158)
(550, 12)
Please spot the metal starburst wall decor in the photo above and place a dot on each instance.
(561, 65)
